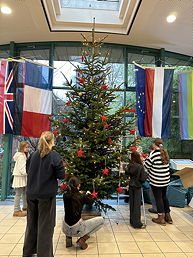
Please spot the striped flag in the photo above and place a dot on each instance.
(33, 99)
(186, 105)
(153, 101)
(6, 97)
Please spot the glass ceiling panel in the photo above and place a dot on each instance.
(91, 4)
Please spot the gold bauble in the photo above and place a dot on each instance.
(80, 94)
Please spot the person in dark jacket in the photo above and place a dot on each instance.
(44, 169)
(73, 225)
(137, 176)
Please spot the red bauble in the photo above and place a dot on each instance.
(144, 155)
(104, 86)
(106, 125)
(83, 58)
(69, 102)
(105, 171)
(65, 121)
(109, 141)
(78, 74)
(130, 110)
(63, 186)
(132, 131)
(133, 149)
(94, 194)
(55, 132)
(103, 118)
(81, 80)
(80, 153)
(119, 189)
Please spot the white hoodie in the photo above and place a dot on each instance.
(19, 171)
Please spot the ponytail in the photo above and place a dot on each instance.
(163, 151)
(44, 143)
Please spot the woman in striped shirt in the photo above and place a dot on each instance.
(157, 165)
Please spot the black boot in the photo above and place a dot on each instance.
(68, 241)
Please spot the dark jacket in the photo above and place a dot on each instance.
(137, 174)
(43, 174)
(73, 205)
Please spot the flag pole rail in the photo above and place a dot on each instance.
(23, 59)
(145, 67)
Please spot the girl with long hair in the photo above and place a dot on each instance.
(137, 176)
(157, 165)
(73, 225)
(45, 168)
(20, 179)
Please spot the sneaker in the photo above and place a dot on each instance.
(19, 214)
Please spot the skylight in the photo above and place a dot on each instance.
(112, 5)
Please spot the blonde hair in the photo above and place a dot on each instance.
(44, 143)
(22, 145)
(164, 153)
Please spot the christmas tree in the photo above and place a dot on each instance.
(88, 136)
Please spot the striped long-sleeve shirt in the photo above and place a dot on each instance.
(158, 173)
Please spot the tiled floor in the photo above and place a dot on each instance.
(115, 239)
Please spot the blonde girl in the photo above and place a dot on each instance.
(20, 179)
(45, 168)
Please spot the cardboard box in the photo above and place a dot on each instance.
(178, 164)
(186, 176)
(191, 203)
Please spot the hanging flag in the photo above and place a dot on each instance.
(33, 99)
(6, 97)
(153, 101)
(186, 105)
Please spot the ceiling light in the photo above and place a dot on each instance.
(6, 10)
(171, 18)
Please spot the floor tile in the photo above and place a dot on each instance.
(142, 237)
(170, 247)
(153, 255)
(6, 249)
(178, 236)
(185, 246)
(123, 237)
(174, 255)
(130, 247)
(148, 247)
(131, 255)
(105, 248)
(160, 236)
(10, 238)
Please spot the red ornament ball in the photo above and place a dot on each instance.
(103, 118)
(94, 194)
(69, 102)
(81, 80)
(104, 86)
(55, 132)
(119, 189)
(65, 121)
(63, 186)
(130, 110)
(83, 58)
(80, 153)
(133, 149)
(132, 131)
(109, 141)
(105, 171)
(106, 125)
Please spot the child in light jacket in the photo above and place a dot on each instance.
(20, 179)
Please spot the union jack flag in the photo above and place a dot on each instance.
(6, 97)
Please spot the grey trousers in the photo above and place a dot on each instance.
(20, 192)
(41, 216)
(83, 227)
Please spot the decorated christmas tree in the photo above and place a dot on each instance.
(88, 136)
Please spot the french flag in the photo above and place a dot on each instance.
(33, 99)
(153, 101)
